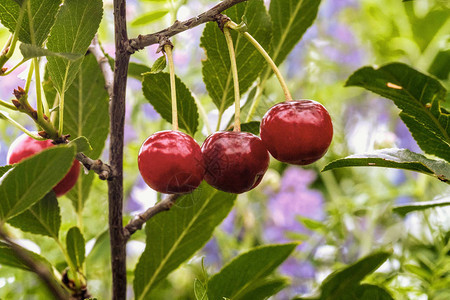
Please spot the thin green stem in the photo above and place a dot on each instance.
(173, 90)
(5, 115)
(237, 96)
(7, 105)
(29, 76)
(39, 102)
(13, 68)
(69, 263)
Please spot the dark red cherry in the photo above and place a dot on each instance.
(171, 162)
(235, 161)
(25, 146)
(297, 132)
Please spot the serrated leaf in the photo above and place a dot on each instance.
(75, 246)
(43, 14)
(174, 236)
(8, 258)
(75, 26)
(4, 169)
(264, 288)
(216, 69)
(246, 270)
(415, 206)
(199, 290)
(291, 19)
(42, 218)
(337, 283)
(149, 17)
(398, 159)
(81, 143)
(86, 115)
(30, 51)
(418, 96)
(156, 88)
(31, 179)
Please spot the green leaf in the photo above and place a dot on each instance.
(216, 68)
(418, 96)
(252, 127)
(264, 288)
(4, 169)
(75, 246)
(339, 282)
(31, 179)
(291, 19)
(86, 115)
(8, 258)
(43, 14)
(29, 51)
(371, 292)
(81, 143)
(159, 64)
(246, 270)
(200, 290)
(415, 206)
(149, 17)
(174, 236)
(75, 26)
(440, 66)
(398, 159)
(42, 218)
(156, 88)
(311, 223)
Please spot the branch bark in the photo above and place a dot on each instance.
(140, 219)
(104, 65)
(143, 41)
(103, 170)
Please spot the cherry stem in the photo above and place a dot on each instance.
(5, 115)
(251, 39)
(173, 91)
(237, 104)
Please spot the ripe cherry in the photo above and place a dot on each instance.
(171, 162)
(297, 132)
(235, 161)
(25, 146)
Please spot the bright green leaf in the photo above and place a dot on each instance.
(246, 270)
(149, 17)
(159, 64)
(175, 235)
(75, 246)
(216, 68)
(29, 51)
(418, 96)
(81, 143)
(75, 26)
(156, 88)
(398, 159)
(8, 258)
(311, 223)
(415, 206)
(200, 290)
(42, 218)
(31, 179)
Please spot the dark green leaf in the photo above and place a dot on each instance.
(441, 65)
(398, 159)
(149, 17)
(136, 70)
(4, 169)
(216, 68)
(366, 292)
(81, 143)
(247, 270)
(290, 20)
(174, 236)
(252, 127)
(159, 64)
(156, 88)
(339, 282)
(75, 246)
(29, 51)
(264, 288)
(86, 115)
(75, 26)
(31, 179)
(8, 258)
(42, 218)
(418, 96)
(43, 14)
(415, 206)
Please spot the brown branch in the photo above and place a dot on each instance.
(103, 62)
(143, 41)
(38, 268)
(140, 219)
(103, 170)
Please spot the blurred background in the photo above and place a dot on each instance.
(338, 215)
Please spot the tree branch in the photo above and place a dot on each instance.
(143, 41)
(103, 170)
(140, 219)
(38, 268)
(103, 62)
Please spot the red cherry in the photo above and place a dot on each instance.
(25, 146)
(171, 162)
(297, 132)
(235, 161)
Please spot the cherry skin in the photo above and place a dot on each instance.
(298, 132)
(25, 146)
(171, 162)
(235, 161)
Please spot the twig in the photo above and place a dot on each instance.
(103, 170)
(143, 41)
(103, 62)
(41, 270)
(137, 223)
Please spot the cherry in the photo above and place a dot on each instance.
(171, 162)
(235, 161)
(297, 132)
(25, 146)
